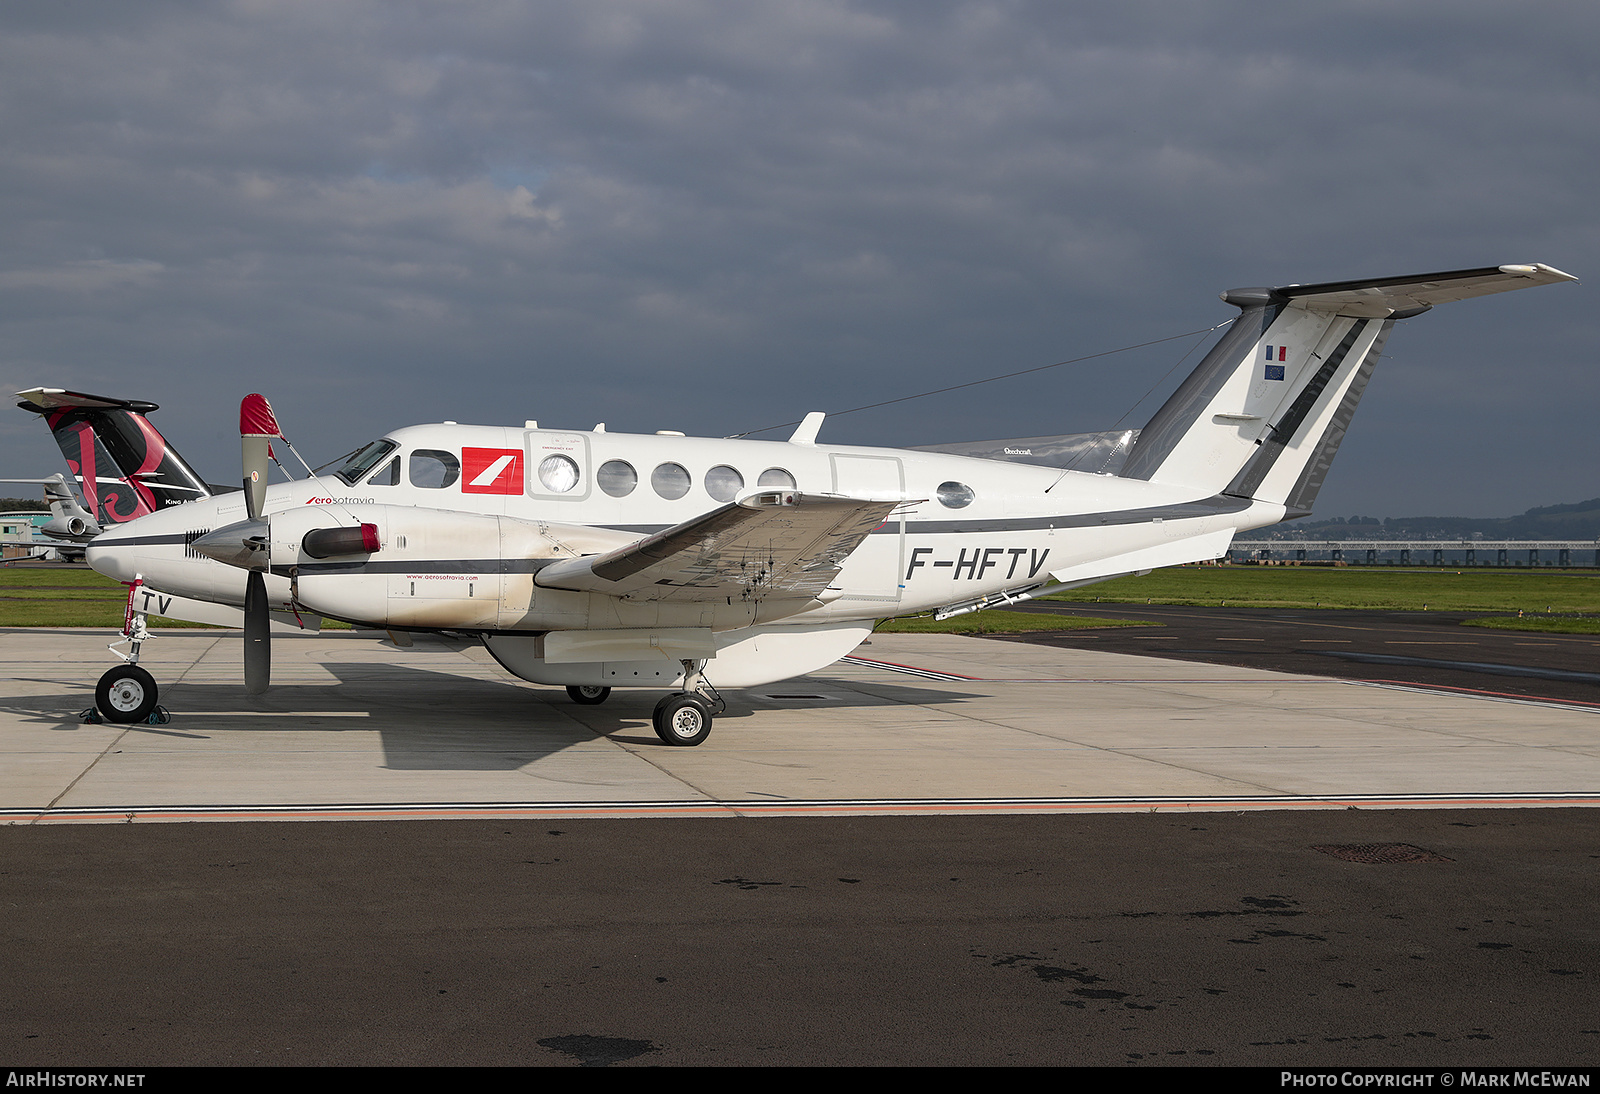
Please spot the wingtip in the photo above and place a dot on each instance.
(1538, 270)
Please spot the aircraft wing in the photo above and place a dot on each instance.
(1419, 292)
(772, 545)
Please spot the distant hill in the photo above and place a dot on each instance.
(1579, 520)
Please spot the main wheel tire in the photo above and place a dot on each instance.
(126, 694)
(588, 694)
(683, 719)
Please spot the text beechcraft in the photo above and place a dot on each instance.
(597, 560)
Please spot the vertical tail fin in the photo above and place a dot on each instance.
(1264, 413)
(123, 465)
(68, 519)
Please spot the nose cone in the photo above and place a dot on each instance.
(114, 553)
(243, 545)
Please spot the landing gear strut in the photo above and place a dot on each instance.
(127, 693)
(684, 718)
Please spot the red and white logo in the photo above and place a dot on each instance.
(491, 471)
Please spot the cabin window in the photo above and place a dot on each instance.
(434, 469)
(670, 481)
(387, 476)
(362, 460)
(617, 478)
(724, 483)
(558, 473)
(954, 495)
(775, 478)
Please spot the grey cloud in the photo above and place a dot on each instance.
(715, 216)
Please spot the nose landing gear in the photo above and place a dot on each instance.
(127, 693)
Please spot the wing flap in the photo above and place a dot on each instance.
(774, 545)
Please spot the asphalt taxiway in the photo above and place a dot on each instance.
(1432, 649)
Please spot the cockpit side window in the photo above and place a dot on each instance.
(434, 468)
(363, 459)
(386, 476)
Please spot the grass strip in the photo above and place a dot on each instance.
(996, 621)
(1483, 589)
(1546, 624)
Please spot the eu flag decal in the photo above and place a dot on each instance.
(1276, 353)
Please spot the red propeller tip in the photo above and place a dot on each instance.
(256, 418)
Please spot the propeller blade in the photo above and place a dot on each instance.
(257, 635)
(257, 427)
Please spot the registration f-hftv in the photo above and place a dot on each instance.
(598, 560)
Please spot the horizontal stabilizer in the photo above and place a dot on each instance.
(772, 545)
(40, 399)
(1384, 297)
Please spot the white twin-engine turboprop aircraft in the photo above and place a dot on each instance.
(596, 560)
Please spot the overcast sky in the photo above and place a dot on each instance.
(713, 217)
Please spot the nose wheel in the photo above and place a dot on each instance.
(126, 694)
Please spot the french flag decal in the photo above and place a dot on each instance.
(1276, 353)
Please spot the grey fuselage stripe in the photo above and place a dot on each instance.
(421, 566)
(148, 541)
(1206, 507)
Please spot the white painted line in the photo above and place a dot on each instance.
(272, 714)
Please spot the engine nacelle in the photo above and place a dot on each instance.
(435, 569)
(67, 528)
(400, 566)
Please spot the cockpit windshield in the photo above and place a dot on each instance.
(362, 460)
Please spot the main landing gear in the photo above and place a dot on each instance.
(684, 718)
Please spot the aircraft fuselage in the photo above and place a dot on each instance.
(464, 510)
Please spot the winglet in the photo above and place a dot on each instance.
(807, 433)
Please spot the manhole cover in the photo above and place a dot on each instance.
(1379, 852)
